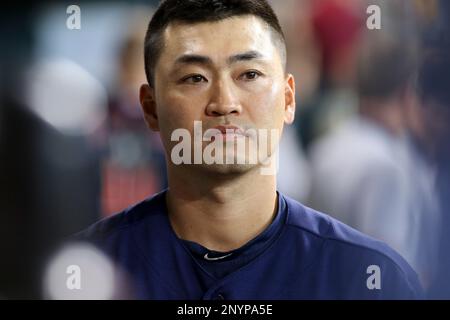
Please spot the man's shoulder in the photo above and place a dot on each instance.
(148, 209)
(325, 227)
(345, 247)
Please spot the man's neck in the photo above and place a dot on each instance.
(221, 213)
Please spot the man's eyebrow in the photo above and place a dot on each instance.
(246, 56)
(199, 59)
(193, 58)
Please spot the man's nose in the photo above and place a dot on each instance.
(223, 101)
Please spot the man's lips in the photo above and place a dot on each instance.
(229, 129)
(229, 132)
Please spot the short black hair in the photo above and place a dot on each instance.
(197, 11)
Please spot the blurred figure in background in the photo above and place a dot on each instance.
(367, 172)
(49, 159)
(336, 28)
(134, 166)
(293, 173)
(49, 169)
(435, 83)
(434, 136)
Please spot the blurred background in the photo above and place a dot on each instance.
(369, 146)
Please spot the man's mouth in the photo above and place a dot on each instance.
(229, 132)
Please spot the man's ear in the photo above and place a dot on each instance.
(289, 99)
(148, 104)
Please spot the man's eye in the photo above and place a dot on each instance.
(196, 78)
(250, 75)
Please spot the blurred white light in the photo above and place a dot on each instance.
(67, 97)
(80, 272)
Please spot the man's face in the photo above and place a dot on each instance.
(225, 73)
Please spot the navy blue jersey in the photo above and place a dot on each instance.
(303, 254)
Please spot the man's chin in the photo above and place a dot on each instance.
(227, 169)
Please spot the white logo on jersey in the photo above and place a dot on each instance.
(217, 258)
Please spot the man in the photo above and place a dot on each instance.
(221, 231)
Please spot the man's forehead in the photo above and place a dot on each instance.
(239, 33)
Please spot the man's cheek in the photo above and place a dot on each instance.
(169, 119)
